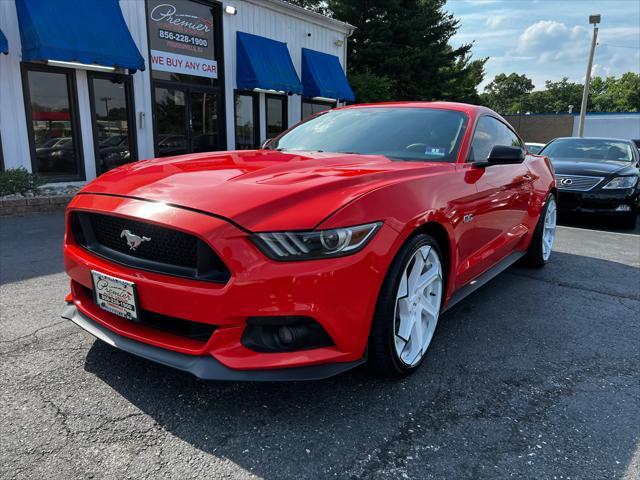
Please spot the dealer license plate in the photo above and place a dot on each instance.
(115, 295)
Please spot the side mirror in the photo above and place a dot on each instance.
(503, 155)
(266, 143)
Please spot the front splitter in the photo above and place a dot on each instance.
(203, 367)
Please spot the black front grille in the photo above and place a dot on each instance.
(159, 244)
(147, 246)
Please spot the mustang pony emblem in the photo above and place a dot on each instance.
(133, 240)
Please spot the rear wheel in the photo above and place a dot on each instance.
(541, 246)
(408, 309)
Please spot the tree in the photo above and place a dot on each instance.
(400, 50)
(407, 41)
(616, 95)
(559, 96)
(507, 94)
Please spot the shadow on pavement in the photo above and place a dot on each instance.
(596, 222)
(523, 378)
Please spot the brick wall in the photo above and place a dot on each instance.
(542, 128)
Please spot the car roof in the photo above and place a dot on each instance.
(460, 107)
(608, 139)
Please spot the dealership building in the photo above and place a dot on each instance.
(89, 85)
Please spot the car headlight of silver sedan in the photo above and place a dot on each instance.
(622, 182)
(315, 244)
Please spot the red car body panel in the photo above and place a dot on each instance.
(222, 197)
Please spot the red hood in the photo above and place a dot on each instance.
(260, 190)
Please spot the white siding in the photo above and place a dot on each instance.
(612, 125)
(13, 123)
(134, 13)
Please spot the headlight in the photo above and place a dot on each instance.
(315, 244)
(622, 182)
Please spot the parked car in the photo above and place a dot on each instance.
(597, 176)
(340, 243)
(534, 148)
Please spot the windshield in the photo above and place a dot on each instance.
(588, 149)
(410, 134)
(535, 149)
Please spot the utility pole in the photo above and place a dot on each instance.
(593, 20)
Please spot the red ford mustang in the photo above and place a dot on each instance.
(339, 243)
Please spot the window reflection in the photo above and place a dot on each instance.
(245, 117)
(311, 107)
(276, 115)
(171, 122)
(111, 123)
(52, 124)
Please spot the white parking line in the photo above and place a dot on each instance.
(599, 231)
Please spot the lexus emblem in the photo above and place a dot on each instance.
(566, 181)
(133, 240)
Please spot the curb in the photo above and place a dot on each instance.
(14, 207)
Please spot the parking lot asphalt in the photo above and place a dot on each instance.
(536, 375)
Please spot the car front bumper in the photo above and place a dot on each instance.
(338, 293)
(203, 367)
(600, 202)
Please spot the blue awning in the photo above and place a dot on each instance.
(4, 45)
(86, 31)
(322, 76)
(265, 63)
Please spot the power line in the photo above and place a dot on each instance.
(619, 46)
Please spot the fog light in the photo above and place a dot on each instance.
(623, 208)
(285, 335)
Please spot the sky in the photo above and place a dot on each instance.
(549, 39)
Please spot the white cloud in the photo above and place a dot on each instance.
(551, 41)
(495, 21)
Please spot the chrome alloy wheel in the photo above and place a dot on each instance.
(549, 228)
(417, 305)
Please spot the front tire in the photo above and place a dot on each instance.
(408, 309)
(541, 246)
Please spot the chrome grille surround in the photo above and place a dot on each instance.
(577, 183)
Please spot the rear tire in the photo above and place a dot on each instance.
(541, 246)
(407, 310)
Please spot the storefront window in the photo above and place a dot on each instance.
(52, 123)
(276, 115)
(311, 107)
(246, 121)
(113, 134)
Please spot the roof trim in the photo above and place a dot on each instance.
(295, 11)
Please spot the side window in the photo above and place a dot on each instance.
(506, 136)
(489, 133)
(484, 139)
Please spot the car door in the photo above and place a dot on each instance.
(496, 224)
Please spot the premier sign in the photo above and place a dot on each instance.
(181, 37)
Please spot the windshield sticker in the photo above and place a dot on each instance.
(436, 152)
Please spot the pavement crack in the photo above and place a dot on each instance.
(581, 288)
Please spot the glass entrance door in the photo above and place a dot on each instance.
(171, 121)
(188, 120)
(205, 133)
(113, 120)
